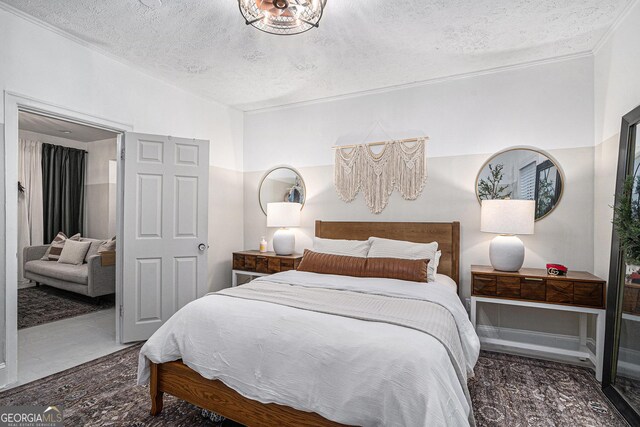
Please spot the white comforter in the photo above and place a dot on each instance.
(347, 370)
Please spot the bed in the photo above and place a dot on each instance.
(171, 361)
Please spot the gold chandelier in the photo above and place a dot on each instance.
(282, 17)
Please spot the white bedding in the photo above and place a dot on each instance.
(350, 371)
(446, 280)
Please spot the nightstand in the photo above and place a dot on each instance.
(257, 264)
(578, 292)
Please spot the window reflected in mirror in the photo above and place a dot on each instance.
(281, 184)
(522, 174)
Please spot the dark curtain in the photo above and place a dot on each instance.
(62, 190)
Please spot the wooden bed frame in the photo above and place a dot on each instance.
(177, 379)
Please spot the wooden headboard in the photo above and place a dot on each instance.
(447, 234)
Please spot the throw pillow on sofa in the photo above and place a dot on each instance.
(108, 245)
(54, 251)
(74, 252)
(93, 249)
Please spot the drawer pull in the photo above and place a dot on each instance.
(485, 279)
(533, 279)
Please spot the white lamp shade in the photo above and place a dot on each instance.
(508, 216)
(283, 214)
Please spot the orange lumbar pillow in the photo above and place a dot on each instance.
(414, 270)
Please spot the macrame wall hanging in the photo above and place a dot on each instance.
(401, 165)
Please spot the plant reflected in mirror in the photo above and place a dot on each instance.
(521, 174)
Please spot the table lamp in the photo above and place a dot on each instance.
(507, 218)
(283, 215)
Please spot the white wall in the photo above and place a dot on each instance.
(548, 106)
(44, 65)
(617, 91)
(539, 106)
(100, 210)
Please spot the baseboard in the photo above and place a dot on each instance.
(3, 376)
(567, 342)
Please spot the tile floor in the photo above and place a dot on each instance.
(53, 347)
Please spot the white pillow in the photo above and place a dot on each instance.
(387, 248)
(73, 252)
(436, 262)
(355, 248)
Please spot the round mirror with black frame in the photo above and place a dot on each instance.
(281, 184)
(621, 370)
(522, 173)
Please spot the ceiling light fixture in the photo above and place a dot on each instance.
(65, 131)
(282, 17)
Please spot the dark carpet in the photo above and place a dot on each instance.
(518, 391)
(507, 391)
(44, 304)
(630, 388)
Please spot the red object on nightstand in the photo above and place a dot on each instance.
(556, 270)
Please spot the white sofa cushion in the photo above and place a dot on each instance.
(74, 252)
(55, 270)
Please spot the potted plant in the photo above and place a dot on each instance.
(626, 221)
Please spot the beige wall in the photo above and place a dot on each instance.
(548, 106)
(565, 236)
(226, 209)
(617, 91)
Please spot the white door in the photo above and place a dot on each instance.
(165, 229)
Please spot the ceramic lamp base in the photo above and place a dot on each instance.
(506, 253)
(284, 241)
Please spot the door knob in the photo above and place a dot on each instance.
(202, 247)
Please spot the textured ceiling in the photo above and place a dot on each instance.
(204, 45)
(57, 127)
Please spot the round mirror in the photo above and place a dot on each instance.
(523, 174)
(281, 184)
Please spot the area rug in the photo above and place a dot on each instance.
(518, 391)
(507, 391)
(44, 304)
(630, 388)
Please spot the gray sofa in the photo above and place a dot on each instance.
(89, 278)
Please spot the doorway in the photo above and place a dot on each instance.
(66, 242)
(15, 106)
(165, 233)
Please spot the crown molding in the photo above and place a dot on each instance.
(98, 49)
(436, 80)
(616, 24)
(247, 110)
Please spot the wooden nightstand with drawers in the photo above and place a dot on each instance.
(579, 292)
(256, 264)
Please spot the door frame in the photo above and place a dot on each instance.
(13, 104)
